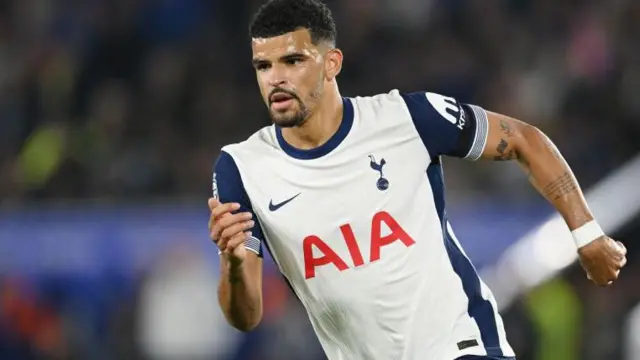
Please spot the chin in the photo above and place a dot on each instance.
(287, 121)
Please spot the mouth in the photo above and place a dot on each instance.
(280, 97)
(281, 101)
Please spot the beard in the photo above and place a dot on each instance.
(295, 116)
(298, 113)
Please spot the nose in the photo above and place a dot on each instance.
(277, 76)
(277, 81)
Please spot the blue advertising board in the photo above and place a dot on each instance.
(88, 240)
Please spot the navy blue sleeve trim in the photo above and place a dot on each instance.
(447, 127)
(228, 187)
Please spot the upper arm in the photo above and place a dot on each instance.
(448, 127)
(508, 138)
(228, 187)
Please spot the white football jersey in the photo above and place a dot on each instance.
(358, 228)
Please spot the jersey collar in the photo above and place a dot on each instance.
(324, 149)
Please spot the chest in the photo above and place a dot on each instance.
(342, 199)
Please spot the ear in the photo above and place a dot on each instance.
(332, 63)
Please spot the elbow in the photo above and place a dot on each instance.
(531, 133)
(531, 141)
(535, 146)
(244, 318)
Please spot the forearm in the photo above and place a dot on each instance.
(550, 174)
(239, 295)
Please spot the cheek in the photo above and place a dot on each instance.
(262, 85)
(312, 80)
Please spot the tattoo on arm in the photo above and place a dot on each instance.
(503, 146)
(506, 129)
(561, 186)
(504, 151)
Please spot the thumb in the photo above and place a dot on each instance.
(213, 203)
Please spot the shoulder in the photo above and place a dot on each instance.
(250, 158)
(398, 103)
(381, 111)
(383, 101)
(258, 143)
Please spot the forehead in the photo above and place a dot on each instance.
(298, 41)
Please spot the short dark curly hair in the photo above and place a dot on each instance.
(278, 17)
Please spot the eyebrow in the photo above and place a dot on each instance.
(258, 61)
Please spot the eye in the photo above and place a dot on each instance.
(293, 61)
(262, 66)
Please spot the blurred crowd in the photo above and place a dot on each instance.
(131, 100)
(134, 98)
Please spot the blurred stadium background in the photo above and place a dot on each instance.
(112, 112)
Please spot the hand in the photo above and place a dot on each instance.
(602, 259)
(229, 230)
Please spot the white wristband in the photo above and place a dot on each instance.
(587, 233)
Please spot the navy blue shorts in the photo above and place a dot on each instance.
(475, 357)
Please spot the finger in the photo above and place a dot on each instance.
(223, 209)
(237, 240)
(232, 225)
(214, 233)
(213, 203)
(232, 219)
(622, 262)
(229, 241)
(233, 242)
(216, 204)
(211, 221)
(222, 243)
(622, 247)
(233, 230)
(611, 278)
(600, 280)
(226, 221)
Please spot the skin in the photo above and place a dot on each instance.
(292, 64)
(511, 139)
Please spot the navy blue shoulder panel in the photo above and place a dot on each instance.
(228, 187)
(446, 127)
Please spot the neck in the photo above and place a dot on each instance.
(320, 126)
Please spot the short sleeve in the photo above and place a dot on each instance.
(228, 187)
(448, 127)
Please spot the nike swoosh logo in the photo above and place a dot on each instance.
(274, 207)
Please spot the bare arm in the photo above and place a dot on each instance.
(235, 230)
(240, 291)
(449, 128)
(548, 172)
